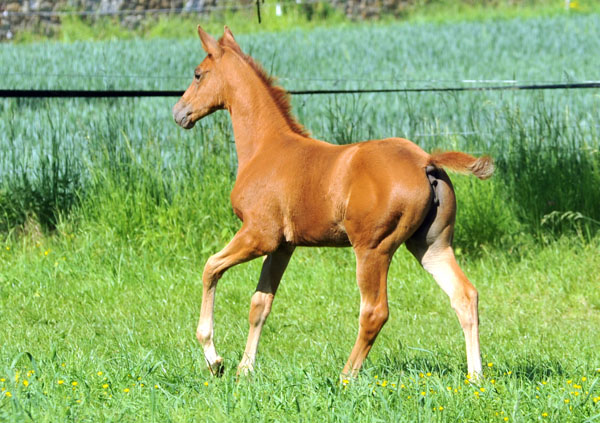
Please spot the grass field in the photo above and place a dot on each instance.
(109, 211)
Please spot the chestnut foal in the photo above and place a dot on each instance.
(292, 190)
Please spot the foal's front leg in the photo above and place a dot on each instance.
(260, 305)
(243, 247)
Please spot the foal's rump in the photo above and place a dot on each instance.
(393, 187)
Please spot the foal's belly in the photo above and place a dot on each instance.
(308, 233)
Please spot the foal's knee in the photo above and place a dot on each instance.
(211, 272)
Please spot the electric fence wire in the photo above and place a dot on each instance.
(12, 93)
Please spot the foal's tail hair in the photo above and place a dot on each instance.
(482, 167)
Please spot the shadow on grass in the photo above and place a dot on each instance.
(521, 368)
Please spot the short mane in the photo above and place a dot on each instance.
(279, 95)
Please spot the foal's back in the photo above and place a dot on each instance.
(318, 191)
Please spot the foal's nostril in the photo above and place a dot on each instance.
(179, 111)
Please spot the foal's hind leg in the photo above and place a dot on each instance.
(244, 246)
(432, 246)
(260, 305)
(371, 273)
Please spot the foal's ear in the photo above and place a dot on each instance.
(229, 40)
(227, 34)
(209, 44)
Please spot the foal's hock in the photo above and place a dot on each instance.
(292, 190)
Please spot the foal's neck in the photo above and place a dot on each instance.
(256, 118)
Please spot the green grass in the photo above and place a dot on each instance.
(108, 212)
(84, 303)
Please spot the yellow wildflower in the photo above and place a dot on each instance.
(99, 373)
(74, 383)
(8, 394)
(205, 383)
(126, 390)
(105, 386)
(26, 383)
(544, 414)
(60, 382)
(490, 364)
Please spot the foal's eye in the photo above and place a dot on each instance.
(198, 76)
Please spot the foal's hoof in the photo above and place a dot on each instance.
(475, 378)
(245, 370)
(217, 367)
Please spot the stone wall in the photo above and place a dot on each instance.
(366, 9)
(44, 16)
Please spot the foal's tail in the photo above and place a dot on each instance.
(482, 167)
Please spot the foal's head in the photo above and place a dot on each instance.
(206, 93)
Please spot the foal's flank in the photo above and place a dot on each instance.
(292, 190)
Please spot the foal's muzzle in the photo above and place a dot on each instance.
(183, 115)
